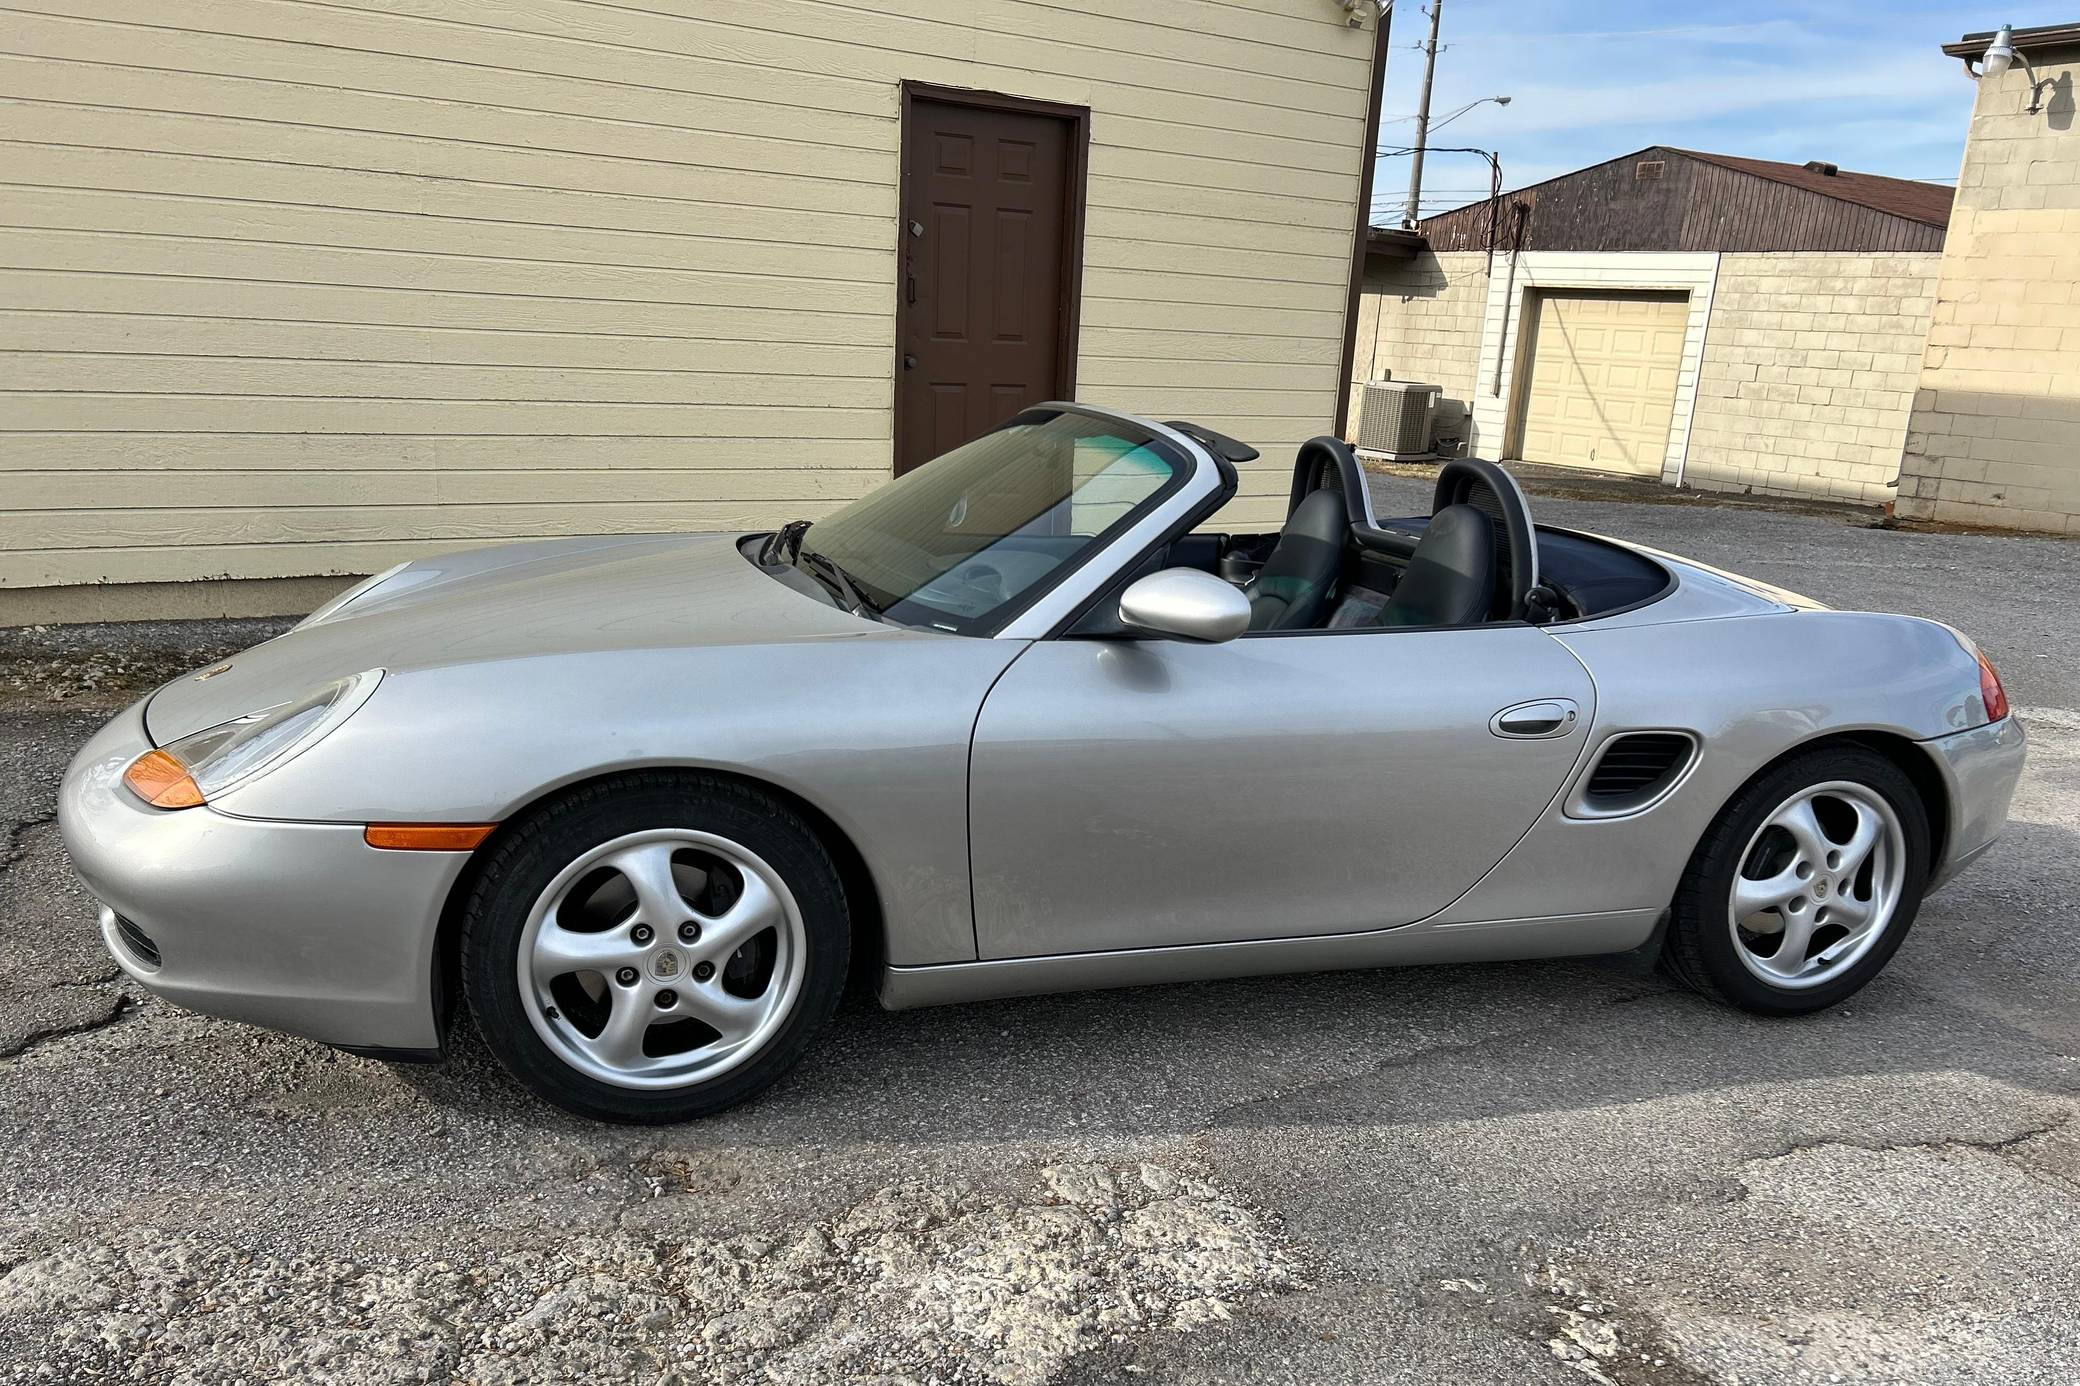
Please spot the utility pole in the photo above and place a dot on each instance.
(1414, 212)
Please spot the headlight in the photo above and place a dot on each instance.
(354, 593)
(206, 764)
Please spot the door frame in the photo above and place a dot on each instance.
(1530, 319)
(1070, 302)
(1694, 272)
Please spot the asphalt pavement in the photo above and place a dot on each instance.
(1523, 1173)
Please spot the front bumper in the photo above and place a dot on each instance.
(1980, 769)
(300, 927)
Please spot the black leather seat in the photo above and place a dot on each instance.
(1451, 576)
(1292, 590)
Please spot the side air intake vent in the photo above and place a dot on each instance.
(1633, 771)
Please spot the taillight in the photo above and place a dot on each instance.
(1990, 690)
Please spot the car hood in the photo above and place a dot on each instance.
(565, 596)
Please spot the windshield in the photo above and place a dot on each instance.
(956, 543)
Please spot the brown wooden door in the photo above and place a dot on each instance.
(987, 270)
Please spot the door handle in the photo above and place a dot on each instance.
(1530, 721)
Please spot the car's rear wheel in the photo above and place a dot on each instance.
(1804, 886)
(654, 947)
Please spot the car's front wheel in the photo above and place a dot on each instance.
(1804, 886)
(654, 947)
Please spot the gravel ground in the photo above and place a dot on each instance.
(1558, 1172)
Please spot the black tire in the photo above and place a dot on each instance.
(529, 853)
(1700, 949)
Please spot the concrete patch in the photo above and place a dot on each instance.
(1938, 1260)
(916, 1281)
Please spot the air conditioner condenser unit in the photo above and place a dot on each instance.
(1394, 420)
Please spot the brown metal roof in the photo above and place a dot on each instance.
(1665, 199)
(2027, 40)
(1928, 203)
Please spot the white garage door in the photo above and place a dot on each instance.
(1601, 390)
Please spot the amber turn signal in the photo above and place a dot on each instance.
(162, 781)
(426, 837)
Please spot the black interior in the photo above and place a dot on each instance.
(1293, 587)
(1476, 559)
(1450, 578)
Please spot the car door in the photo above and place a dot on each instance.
(1146, 793)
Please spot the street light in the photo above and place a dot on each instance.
(1425, 127)
(1440, 124)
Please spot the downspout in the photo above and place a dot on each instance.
(1361, 236)
(1509, 296)
(1704, 342)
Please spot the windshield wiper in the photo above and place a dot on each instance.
(840, 581)
(784, 543)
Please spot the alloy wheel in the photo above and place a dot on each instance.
(1818, 884)
(661, 958)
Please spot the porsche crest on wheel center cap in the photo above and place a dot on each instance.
(666, 965)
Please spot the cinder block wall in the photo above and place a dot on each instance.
(1995, 435)
(1420, 319)
(1810, 366)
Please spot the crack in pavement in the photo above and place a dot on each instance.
(1220, 1115)
(14, 851)
(1996, 1146)
(14, 840)
(113, 975)
(123, 1005)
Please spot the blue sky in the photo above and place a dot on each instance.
(1862, 85)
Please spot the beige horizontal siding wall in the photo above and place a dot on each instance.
(1810, 364)
(1420, 320)
(296, 289)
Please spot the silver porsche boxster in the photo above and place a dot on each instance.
(1019, 722)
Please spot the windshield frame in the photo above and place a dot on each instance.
(1182, 492)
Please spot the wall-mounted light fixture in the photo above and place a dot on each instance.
(2000, 55)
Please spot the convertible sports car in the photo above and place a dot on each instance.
(1013, 723)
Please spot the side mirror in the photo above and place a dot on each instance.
(1185, 604)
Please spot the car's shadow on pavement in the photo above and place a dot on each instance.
(1412, 1046)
